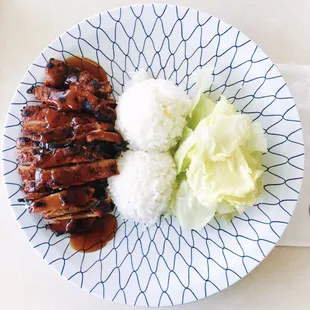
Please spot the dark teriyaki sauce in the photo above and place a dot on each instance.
(91, 234)
(102, 231)
(88, 65)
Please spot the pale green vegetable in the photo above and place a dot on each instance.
(218, 135)
(220, 161)
(258, 141)
(203, 79)
(203, 108)
(181, 157)
(226, 210)
(185, 205)
(218, 180)
(223, 107)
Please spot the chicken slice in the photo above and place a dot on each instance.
(66, 199)
(85, 81)
(71, 226)
(75, 99)
(37, 117)
(62, 177)
(75, 154)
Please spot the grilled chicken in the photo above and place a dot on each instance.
(30, 187)
(27, 173)
(74, 154)
(112, 139)
(48, 135)
(62, 177)
(58, 75)
(75, 99)
(61, 133)
(46, 124)
(56, 72)
(93, 208)
(34, 117)
(100, 135)
(70, 89)
(66, 199)
(68, 148)
(70, 226)
(85, 81)
(33, 196)
(74, 210)
(25, 142)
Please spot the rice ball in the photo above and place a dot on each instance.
(151, 115)
(143, 188)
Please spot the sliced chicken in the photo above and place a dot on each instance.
(46, 135)
(93, 208)
(26, 142)
(98, 210)
(66, 176)
(36, 118)
(59, 75)
(111, 140)
(74, 154)
(75, 99)
(34, 196)
(85, 81)
(100, 135)
(68, 148)
(29, 186)
(70, 212)
(27, 173)
(61, 133)
(55, 73)
(71, 226)
(66, 199)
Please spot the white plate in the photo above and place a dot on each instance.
(166, 265)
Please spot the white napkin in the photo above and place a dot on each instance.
(298, 81)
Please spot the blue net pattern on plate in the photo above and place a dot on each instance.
(165, 265)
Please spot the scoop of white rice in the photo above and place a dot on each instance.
(151, 114)
(142, 189)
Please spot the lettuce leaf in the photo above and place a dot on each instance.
(219, 161)
(218, 135)
(203, 108)
(189, 211)
(215, 181)
(181, 158)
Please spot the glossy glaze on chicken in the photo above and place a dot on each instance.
(68, 148)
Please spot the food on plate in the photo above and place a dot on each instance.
(219, 164)
(191, 157)
(46, 158)
(46, 124)
(102, 231)
(67, 151)
(63, 177)
(71, 89)
(218, 156)
(143, 187)
(151, 114)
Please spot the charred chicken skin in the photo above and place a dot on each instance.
(68, 148)
(70, 89)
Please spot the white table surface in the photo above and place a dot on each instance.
(280, 27)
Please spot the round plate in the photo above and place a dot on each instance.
(165, 265)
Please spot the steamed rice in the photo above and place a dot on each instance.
(143, 188)
(151, 115)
